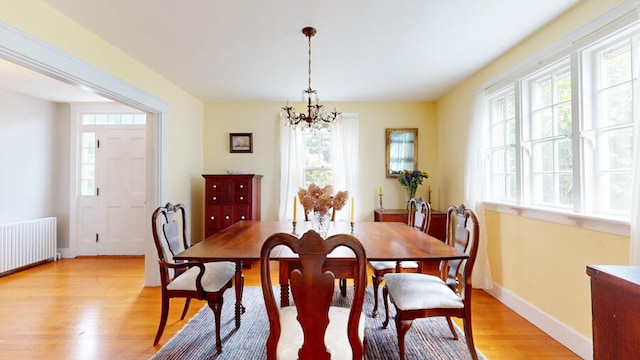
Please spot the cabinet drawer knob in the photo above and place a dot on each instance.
(241, 197)
(227, 217)
(215, 186)
(242, 217)
(214, 198)
(213, 218)
(241, 186)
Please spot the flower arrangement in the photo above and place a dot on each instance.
(410, 180)
(321, 200)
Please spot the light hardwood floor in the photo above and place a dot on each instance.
(98, 308)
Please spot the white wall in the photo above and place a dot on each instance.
(34, 148)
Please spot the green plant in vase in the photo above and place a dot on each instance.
(410, 180)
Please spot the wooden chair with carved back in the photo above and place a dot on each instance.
(311, 328)
(419, 217)
(421, 295)
(189, 280)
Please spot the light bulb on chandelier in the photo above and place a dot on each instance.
(317, 116)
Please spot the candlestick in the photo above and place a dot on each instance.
(380, 196)
(352, 208)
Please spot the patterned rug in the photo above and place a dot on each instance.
(427, 339)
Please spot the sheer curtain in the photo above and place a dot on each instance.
(634, 221)
(344, 157)
(475, 183)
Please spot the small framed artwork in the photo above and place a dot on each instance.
(241, 142)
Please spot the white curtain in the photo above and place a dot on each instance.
(634, 221)
(344, 157)
(345, 160)
(475, 179)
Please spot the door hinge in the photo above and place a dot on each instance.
(97, 144)
(97, 191)
(96, 237)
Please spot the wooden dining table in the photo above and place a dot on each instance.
(382, 241)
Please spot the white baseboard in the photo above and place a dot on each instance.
(66, 253)
(568, 337)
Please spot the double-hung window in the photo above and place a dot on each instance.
(561, 134)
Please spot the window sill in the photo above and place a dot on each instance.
(612, 225)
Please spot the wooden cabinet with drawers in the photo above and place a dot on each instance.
(437, 229)
(229, 199)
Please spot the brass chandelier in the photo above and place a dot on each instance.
(317, 116)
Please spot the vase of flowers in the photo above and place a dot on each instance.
(410, 180)
(320, 204)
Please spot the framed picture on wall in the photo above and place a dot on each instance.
(241, 142)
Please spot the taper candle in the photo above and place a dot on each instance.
(380, 190)
(295, 203)
(353, 208)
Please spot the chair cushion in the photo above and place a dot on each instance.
(216, 275)
(384, 265)
(411, 291)
(291, 336)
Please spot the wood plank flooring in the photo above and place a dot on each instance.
(98, 308)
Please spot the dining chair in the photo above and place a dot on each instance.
(189, 280)
(311, 328)
(419, 217)
(421, 295)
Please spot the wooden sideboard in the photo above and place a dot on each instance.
(437, 228)
(229, 199)
(615, 308)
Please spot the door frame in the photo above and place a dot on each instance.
(27, 51)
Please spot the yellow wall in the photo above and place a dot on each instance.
(262, 119)
(185, 112)
(543, 263)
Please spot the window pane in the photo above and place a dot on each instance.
(565, 158)
(616, 105)
(563, 119)
(616, 64)
(542, 124)
(541, 92)
(618, 146)
(566, 189)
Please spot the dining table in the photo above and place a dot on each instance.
(382, 241)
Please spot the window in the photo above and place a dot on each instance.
(561, 135)
(502, 142)
(318, 167)
(88, 163)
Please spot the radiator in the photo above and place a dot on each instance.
(27, 243)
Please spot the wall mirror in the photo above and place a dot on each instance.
(402, 151)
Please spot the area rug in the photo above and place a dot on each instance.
(427, 339)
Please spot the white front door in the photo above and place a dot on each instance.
(111, 205)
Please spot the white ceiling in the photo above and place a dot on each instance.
(365, 50)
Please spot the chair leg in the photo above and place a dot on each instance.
(385, 297)
(186, 308)
(453, 330)
(376, 283)
(216, 306)
(163, 319)
(343, 287)
(240, 309)
(468, 333)
(402, 327)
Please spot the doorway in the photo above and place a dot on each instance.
(110, 179)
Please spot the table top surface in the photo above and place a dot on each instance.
(381, 241)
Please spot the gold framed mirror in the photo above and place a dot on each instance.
(401, 151)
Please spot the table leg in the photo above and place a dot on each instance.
(284, 283)
(239, 285)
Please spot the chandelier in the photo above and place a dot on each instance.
(317, 116)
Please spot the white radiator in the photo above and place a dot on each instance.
(27, 243)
